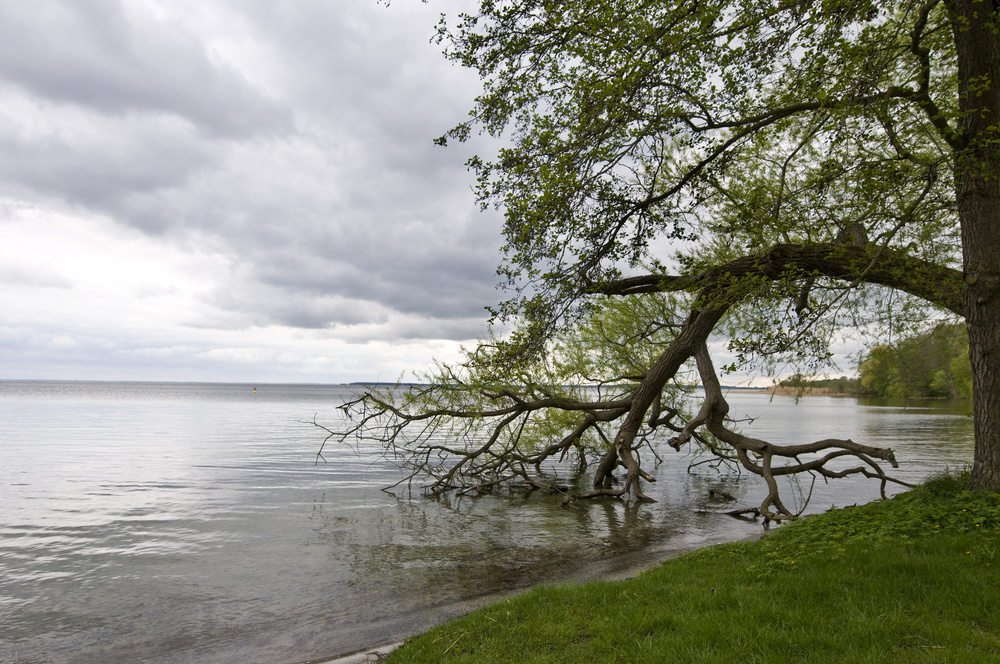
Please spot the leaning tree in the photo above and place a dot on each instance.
(776, 173)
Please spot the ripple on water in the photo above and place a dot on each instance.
(209, 535)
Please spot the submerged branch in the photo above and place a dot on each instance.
(472, 436)
(758, 456)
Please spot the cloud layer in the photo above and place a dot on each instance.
(234, 190)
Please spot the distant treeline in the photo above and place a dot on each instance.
(842, 385)
(931, 364)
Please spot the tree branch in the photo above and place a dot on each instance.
(932, 282)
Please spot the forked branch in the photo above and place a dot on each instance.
(471, 436)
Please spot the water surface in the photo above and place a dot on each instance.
(188, 523)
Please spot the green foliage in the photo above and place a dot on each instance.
(618, 339)
(612, 346)
(942, 505)
(731, 125)
(931, 364)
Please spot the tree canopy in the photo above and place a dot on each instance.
(777, 173)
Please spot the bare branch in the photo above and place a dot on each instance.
(758, 456)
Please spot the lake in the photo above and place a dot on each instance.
(175, 522)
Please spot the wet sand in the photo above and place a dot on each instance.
(367, 656)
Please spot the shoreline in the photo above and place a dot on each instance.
(375, 654)
(924, 588)
(378, 653)
(783, 391)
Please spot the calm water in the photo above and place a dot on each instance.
(187, 522)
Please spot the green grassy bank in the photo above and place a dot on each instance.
(911, 579)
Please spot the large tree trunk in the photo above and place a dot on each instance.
(977, 180)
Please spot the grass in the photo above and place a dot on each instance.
(911, 579)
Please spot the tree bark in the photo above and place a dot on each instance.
(699, 325)
(977, 182)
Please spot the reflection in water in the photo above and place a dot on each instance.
(187, 523)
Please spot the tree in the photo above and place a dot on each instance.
(774, 171)
(931, 364)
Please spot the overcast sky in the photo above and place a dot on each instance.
(234, 190)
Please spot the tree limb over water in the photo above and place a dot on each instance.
(466, 432)
(780, 174)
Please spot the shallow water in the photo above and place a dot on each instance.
(188, 522)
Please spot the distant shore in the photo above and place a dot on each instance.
(784, 391)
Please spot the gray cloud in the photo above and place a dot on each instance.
(89, 160)
(118, 59)
(292, 142)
